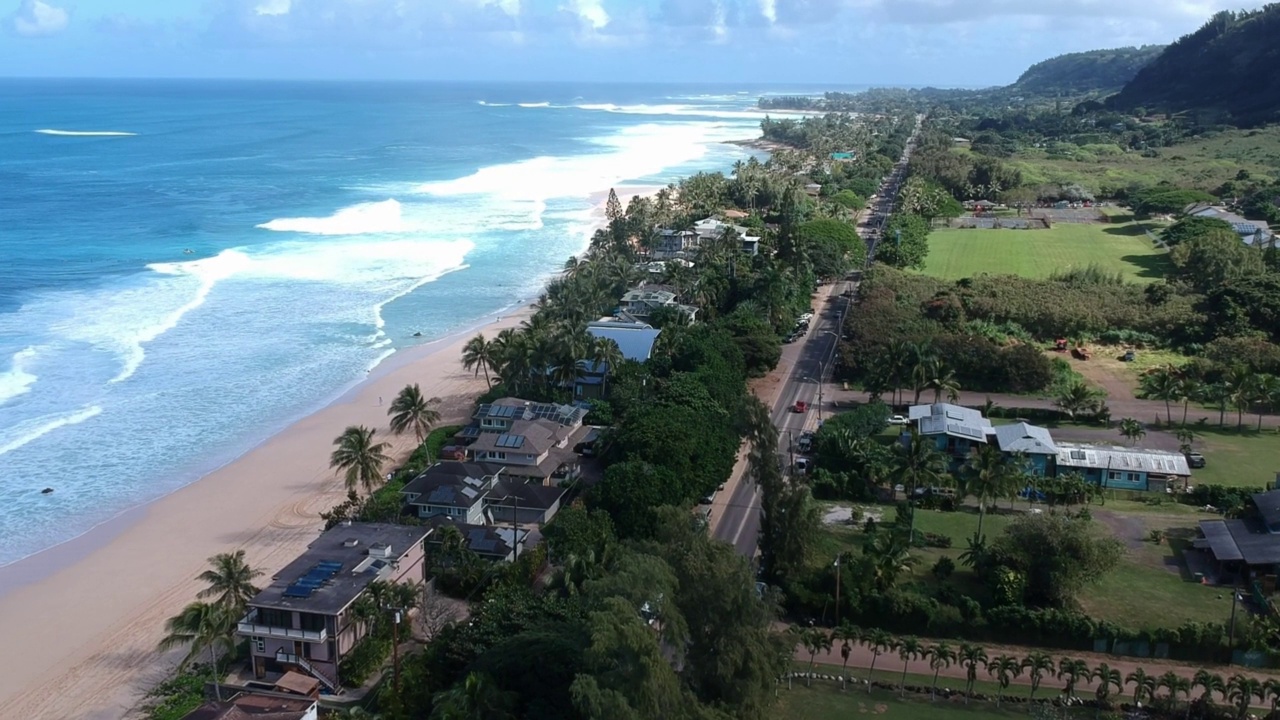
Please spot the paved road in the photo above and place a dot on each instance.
(805, 366)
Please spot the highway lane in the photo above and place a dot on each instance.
(810, 361)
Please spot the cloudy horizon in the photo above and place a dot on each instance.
(968, 43)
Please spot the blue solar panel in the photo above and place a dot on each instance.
(298, 591)
(330, 564)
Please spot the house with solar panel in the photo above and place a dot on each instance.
(480, 494)
(303, 620)
(641, 302)
(1123, 468)
(1257, 234)
(531, 441)
(491, 542)
(953, 429)
(1032, 445)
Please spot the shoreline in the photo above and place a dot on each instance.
(138, 567)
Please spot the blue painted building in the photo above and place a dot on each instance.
(954, 430)
(1034, 445)
(1123, 468)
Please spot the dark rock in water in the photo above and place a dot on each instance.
(46, 491)
(417, 334)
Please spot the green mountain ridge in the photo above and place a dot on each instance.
(1228, 71)
(1084, 72)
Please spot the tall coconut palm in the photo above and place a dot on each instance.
(1109, 680)
(1266, 389)
(608, 357)
(909, 648)
(1073, 671)
(201, 626)
(1240, 384)
(971, 656)
(880, 642)
(1241, 690)
(1164, 383)
(479, 355)
(410, 411)
(940, 656)
(1077, 398)
(230, 582)
(359, 458)
(846, 634)
(986, 477)
(1144, 685)
(1037, 665)
(1004, 668)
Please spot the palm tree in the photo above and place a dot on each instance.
(1107, 678)
(944, 381)
(940, 656)
(1144, 685)
(476, 698)
(479, 355)
(909, 648)
(1241, 690)
(359, 458)
(1239, 380)
(1271, 690)
(986, 477)
(1266, 390)
(919, 464)
(891, 554)
(879, 641)
(1074, 670)
(607, 356)
(410, 411)
(230, 580)
(1176, 685)
(846, 634)
(1005, 668)
(1164, 383)
(1211, 682)
(1077, 398)
(1132, 430)
(1037, 664)
(971, 656)
(202, 626)
(815, 641)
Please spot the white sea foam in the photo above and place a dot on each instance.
(486, 103)
(535, 105)
(86, 133)
(682, 110)
(18, 379)
(365, 218)
(35, 428)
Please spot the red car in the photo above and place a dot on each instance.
(801, 406)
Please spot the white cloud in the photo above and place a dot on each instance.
(273, 7)
(510, 7)
(769, 9)
(36, 18)
(591, 12)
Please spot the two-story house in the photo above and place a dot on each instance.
(480, 494)
(713, 229)
(641, 302)
(952, 429)
(532, 441)
(303, 620)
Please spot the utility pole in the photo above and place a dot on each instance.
(395, 649)
(1231, 637)
(838, 573)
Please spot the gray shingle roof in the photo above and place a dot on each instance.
(1268, 507)
(450, 483)
(947, 419)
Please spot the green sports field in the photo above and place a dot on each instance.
(1123, 247)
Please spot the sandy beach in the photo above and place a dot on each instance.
(81, 621)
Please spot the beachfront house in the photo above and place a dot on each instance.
(1123, 468)
(1032, 445)
(634, 338)
(259, 705)
(641, 302)
(953, 429)
(480, 494)
(710, 228)
(669, 244)
(500, 544)
(531, 441)
(303, 620)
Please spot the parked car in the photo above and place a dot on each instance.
(1195, 460)
(800, 406)
(802, 465)
(805, 443)
(898, 420)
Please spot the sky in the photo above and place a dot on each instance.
(961, 43)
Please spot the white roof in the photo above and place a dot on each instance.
(948, 419)
(1024, 438)
(1115, 457)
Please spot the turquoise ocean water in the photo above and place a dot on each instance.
(186, 268)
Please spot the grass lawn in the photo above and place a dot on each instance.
(1249, 459)
(1137, 595)
(825, 701)
(955, 254)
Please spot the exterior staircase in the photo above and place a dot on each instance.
(317, 673)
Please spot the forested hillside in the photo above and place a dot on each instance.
(1086, 71)
(1227, 71)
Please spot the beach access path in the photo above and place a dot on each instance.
(81, 621)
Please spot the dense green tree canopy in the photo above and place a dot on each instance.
(904, 243)
(1056, 556)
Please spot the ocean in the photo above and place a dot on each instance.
(189, 267)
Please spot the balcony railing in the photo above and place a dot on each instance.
(247, 626)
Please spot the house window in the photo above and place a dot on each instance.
(1114, 475)
(1133, 478)
(497, 456)
(260, 646)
